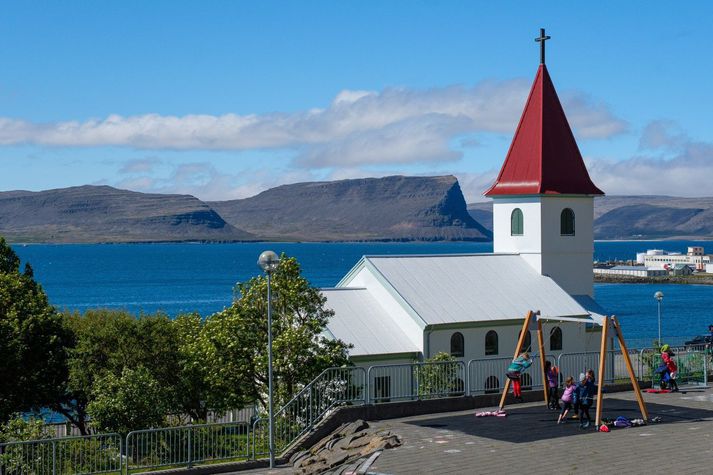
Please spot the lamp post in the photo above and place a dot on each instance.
(268, 261)
(659, 297)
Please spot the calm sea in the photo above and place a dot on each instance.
(178, 278)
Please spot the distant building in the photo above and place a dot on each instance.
(681, 269)
(660, 259)
(636, 271)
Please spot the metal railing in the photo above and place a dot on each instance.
(693, 364)
(487, 375)
(411, 381)
(573, 364)
(187, 445)
(83, 455)
(333, 387)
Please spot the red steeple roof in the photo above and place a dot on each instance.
(543, 157)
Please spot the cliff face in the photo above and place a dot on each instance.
(638, 217)
(106, 214)
(391, 208)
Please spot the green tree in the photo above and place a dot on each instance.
(439, 376)
(106, 343)
(133, 400)
(33, 340)
(213, 372)
(19, 429)
(300, 349)
(14, 458)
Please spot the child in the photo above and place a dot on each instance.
(583, 395)
(592, 379)
(567, 396)
(667, 356)
(590, 376)
(518, 365)
(552, 383)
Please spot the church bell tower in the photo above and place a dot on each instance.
(543, 198)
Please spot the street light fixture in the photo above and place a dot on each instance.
(268, 262)
(659, 297)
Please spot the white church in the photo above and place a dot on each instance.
(408, 308)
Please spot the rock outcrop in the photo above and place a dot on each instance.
(395, 208)
(349, 444)
(106, 214)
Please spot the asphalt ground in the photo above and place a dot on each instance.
(529, 441)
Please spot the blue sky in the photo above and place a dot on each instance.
(225, 99)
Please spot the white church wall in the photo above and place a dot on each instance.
(366, 279)
(575, 339)
(529, 244)
(568, 259)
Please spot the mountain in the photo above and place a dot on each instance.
(106, 214)
(368, 209)
(638, 217)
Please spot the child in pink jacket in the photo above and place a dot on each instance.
(567, 397)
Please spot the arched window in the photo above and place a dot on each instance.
(567, 222)
(492, 385)
(527, 343)
(491, 343)
(516, 225)
(457, 345)
(556, 339)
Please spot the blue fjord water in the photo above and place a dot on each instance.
(177, 278)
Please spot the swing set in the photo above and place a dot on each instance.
(534, 319)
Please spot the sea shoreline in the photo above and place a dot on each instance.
(705, 279)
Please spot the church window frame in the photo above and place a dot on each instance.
(457, 345)
(491, 343)
(517, 223)
(567, 222)
(556, 339)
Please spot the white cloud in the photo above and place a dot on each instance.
(685, 175)
(140, 165)
(662, 135)
(203, 180)
(395, 125)
(590, 118)
(679, 166)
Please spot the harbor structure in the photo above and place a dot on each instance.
(634, 271)
(660, 259)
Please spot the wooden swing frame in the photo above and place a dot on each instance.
(606, 324)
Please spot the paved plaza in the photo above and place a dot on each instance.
(530, 441)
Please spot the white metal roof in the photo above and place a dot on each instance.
(596, 311)
(360, 319)
(456, 288)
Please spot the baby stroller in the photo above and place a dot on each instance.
(663, 374)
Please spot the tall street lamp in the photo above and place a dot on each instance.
(659, 297)
(268, 261)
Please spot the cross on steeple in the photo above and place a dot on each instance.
(542, 40)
